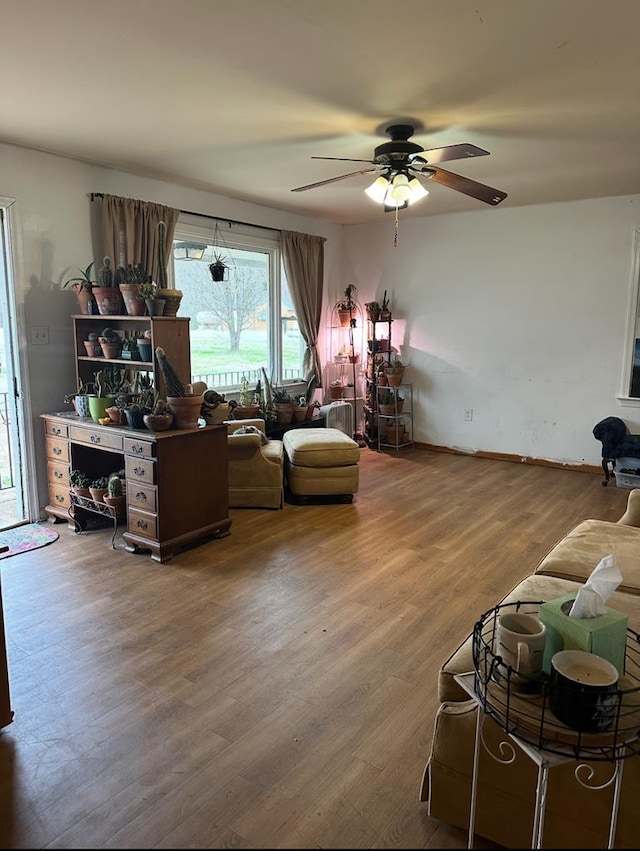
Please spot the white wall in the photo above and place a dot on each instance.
(53, 234)
(520, 314)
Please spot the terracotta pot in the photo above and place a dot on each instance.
(110, 350)
(336, 391)
(344, 318)
(394, 378)
(82, 492)
(93, 347)
(114, 414)
(98, 494)
(109, 301)
(284, 412)
(299, 414)
(116, 502)
(85, 298)
(134, 304)
(158, 422)
(185, 410)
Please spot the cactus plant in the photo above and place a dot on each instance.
(114, 485)
(83, 280)
(105, 275)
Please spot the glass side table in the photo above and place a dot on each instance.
(530, 726)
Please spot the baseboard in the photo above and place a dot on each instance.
(518, 459)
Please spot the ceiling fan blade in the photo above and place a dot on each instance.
(344, 160)
(333, 179)
(451, 152)
(465, 185)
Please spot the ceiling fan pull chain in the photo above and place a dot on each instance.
(395, 231)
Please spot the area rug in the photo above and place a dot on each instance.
(24, 538)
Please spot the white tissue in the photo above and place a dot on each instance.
(591, 598)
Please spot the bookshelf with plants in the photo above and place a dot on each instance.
(343, 370)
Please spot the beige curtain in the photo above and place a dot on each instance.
(129, 231)
(303, 257)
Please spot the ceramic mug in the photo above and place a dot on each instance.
(583, 690)
(521, 639)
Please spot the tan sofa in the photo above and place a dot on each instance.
(575, 817)
(256, 468)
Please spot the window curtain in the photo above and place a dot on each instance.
(303, 257)
(129, 231)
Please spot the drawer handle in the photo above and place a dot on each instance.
(142, 524)
(57, 450)
(137, 449)
(141, 496)
(59, 497)
(139, 471)
(56, 430)
(57, 474)
(95, 438)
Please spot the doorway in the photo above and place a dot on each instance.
(13, 499)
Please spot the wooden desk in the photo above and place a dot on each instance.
(176, 481)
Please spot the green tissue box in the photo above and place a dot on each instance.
(605, 635)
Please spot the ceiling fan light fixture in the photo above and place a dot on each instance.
(417, 190)
(378, 189)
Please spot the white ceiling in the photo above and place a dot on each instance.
(236, 96)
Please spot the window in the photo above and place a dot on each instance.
(244, 323)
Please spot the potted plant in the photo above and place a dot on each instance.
(108, 383)
(346, 307)
(80, 400)
(282, 404)
(160, 418)
(184, 404)
(385, 313)
(114, 495)
(98, 488)
(79, 483)
(218, 268)
(106, 292)
(111, 343)
(83, 287)
(373, 310)
(92, 345)
(386, 403)
(172, 298)
(394, 370)
(144, 347)
(129, 280)
(336, 390)
(155, 304)
(248, 407)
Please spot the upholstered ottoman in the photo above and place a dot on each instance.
(321, 463)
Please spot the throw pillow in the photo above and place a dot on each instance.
(253, 430)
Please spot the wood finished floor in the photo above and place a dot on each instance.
(274, 689)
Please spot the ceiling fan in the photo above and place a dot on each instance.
(399, 162)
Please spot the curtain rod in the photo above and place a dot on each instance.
(205, 216)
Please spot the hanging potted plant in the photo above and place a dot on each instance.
(218, 268)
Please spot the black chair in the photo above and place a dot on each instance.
(617, 442)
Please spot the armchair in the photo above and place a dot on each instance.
(255, 467)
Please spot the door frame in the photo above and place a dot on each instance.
(14, 324)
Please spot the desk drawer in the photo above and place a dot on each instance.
(142, 523)
(57, 449)
(58, 474)
(140, 470)
(59, 496)
(139, 448)
(55, 429)
(97, 438)
(142, 496)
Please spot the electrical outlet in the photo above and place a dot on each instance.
(39, 335)
(468, 415)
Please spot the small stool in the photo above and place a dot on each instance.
(321, 463)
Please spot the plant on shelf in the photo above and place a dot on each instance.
(83, 281)
(385, 313)
(347, 306)
(111, 343)
(184, 404)
(394, 371)
(98, 488)
(106, 291)
(373, 310)
(114, 495)
(83, 287)
(79, 482)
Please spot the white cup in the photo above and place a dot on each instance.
(521, 639)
